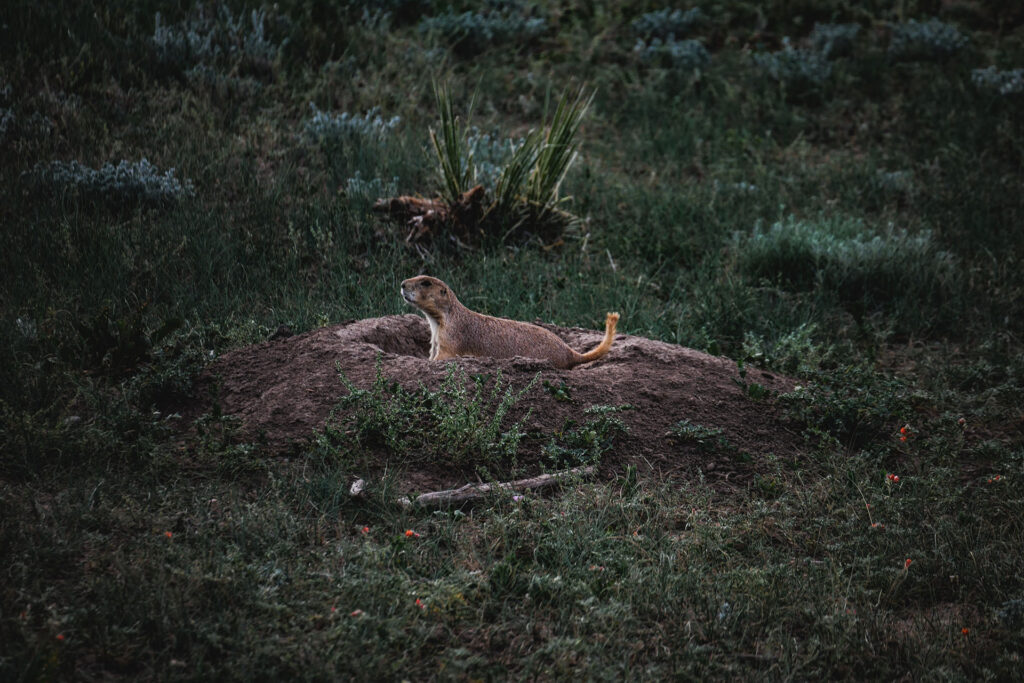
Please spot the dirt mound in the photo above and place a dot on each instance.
(284, 390)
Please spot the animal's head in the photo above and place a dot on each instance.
(428, 294)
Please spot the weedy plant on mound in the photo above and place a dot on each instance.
(461, 424)
(524, 200)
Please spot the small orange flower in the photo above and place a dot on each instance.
(965, 630)
(877, 525)
(365, 529)
(906, 564)
(903, 429)
(168, 534)
(903, 438)
(409, 533)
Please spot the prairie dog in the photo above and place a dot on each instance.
(457, 331)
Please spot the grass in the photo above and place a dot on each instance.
(860, 233)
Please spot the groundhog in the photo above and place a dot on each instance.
(457, 331)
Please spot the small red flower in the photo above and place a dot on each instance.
(168, 534)
(421, 604)
(962, 422)
(906, 564)
(903, 438)
(893, 478)
(60, 636)
(965, 630)
(333, 609)
(998, 477)
(903, 429)
(877, 525)
(365, 530)
(409, 533)
(356, 613)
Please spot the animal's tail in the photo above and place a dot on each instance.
(606, 344)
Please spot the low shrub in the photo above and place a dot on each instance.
(214, 35)
(833, 40)
(795, 68)
(667, 23)
(678, 54)
(930, 40)
(471, 33)
(992, 80)
(844, 256)
(128, 182)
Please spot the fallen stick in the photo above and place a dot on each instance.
(476, 491)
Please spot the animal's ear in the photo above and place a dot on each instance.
(444, 290)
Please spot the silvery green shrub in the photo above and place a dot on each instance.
(992, 80)
(210, 35)
(925, 40)
(793, 67)
(131, 182)
(667, 23)
(844, 255)
(473, 32)
(678, 54)
(340, 128)
(833, 40)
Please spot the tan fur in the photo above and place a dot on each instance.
(457, 331)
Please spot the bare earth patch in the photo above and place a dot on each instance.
(284, 390)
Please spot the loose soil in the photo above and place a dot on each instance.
(284, 390)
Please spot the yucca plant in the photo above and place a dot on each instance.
(556, 154)
(454, 155)
(527, 187)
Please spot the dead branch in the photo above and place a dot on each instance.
(471, 492)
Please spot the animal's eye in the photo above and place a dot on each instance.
(443, 290)
(426, 283)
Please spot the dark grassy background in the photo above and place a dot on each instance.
(862, 233)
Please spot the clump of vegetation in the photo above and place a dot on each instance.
(833, 40)
(852, 404)
(793, 353)
(795, 68)
(345, 128)
(461, 423)
(213, 35)
(127, 182)
(471, 33)
(525, 200)
(925, 40)
(584, 444)
(668, 24)
(993, 80)
(845, 257)
(685, 55)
